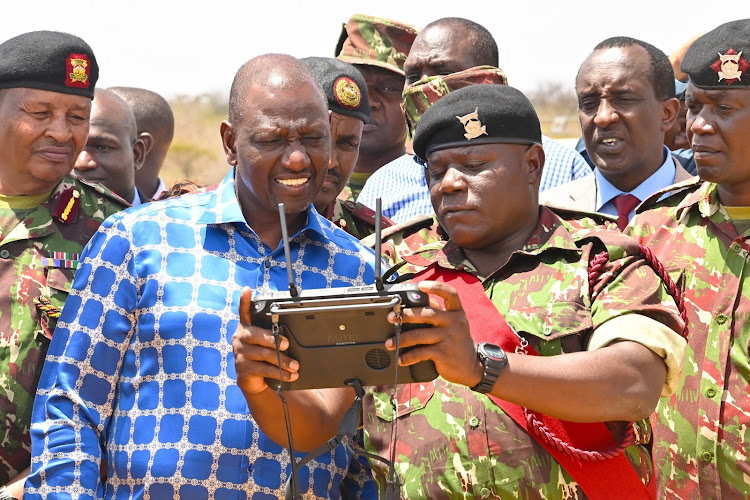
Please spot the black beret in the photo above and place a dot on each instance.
(477, 114)
(48, 60)
(343, 85)
(720, 59)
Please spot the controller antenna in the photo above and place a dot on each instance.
(287, 253)
(378, 251)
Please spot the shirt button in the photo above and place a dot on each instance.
(4, 254)
(474, 422)
(710, 392)
(547, 329)
(721, 319)
(707, 456)
(484, 493)
(735, 247)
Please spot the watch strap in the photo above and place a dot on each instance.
(492, 368)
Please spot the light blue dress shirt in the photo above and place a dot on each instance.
(660, 179)
(141, 363)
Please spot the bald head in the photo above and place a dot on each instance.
(152, 112)
(270, 72)
(278, 137)
(449, 45)
(113, 151)
(110, 107)
(155, 122)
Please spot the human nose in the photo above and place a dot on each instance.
(59, 129)
(605, 114)
(699, 125)
(296, 157)
(452, 181)
(85, 161)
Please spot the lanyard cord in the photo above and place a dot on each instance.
(393, 482)
(295, 493)
(348, 426)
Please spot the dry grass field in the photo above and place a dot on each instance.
(197, 154)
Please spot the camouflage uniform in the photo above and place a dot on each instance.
(354, 218)
(346, 194)
(468, 447)
(38, 258)
(419, 96)
(702, 433)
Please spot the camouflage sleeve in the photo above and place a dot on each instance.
(661, 340)
(629, 285)
(75, 398)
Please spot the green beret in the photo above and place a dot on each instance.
(720, 59)
(477, 114)
(49, 60)
(343, 85)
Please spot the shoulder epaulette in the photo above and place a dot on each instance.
(411, 226)
(366, 214)
(407, 228)
(102, 190)
(675, 189)
(575, 213)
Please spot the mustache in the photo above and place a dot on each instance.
(335, 174)
(46, 143)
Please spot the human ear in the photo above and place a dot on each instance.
(227, 141)
(139, 152)
(669, 110)
(534, 161)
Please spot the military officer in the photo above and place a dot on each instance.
(536, 312)
(349, 107)
(700, 231)
(47, 216)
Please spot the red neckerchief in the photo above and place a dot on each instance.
(611, 479)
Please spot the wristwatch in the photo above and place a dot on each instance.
(494, 360)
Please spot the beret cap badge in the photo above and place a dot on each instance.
(472, 126)
(730, 66)
(78, 71)
(347, 93)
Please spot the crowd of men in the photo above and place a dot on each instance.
(587, 315)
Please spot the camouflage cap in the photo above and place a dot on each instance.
(376, 41)
(721, 58)
(419, 96)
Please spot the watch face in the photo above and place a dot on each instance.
(493, 351)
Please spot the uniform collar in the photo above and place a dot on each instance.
(551, 232)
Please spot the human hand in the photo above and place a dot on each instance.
(255, 357)
(447, 342)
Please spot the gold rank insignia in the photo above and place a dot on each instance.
(472, 126)
(67, 208)
(78, 71)
(730, 66)
(347, 92)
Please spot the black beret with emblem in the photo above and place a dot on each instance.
(477, 114)
(343, 85)
(720, 59)
(49, 60)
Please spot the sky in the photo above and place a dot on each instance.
(195, 47)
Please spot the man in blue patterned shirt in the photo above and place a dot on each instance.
(141, 374)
